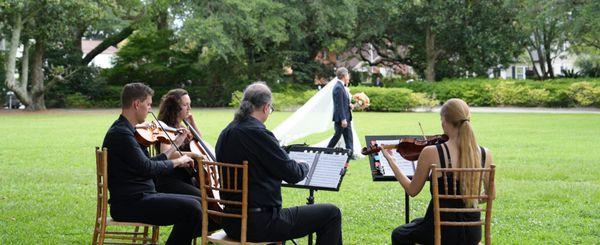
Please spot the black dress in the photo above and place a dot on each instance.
(421, 230)
(180, 181)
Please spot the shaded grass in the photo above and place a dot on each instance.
(547, 181)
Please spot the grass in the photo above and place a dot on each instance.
(547, 182)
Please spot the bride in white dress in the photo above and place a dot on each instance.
(315, 116)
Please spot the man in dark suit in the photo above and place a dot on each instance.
(342, 110)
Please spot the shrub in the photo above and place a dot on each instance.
(77, 100)
(394, 99)
(584, 93)
(282, 101)
(494, 92)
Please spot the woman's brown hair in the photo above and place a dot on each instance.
(170, 106)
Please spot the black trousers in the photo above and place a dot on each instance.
(339, 131)
(290, 223)
(168, 184)
(182, 211)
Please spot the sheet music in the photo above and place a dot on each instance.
(327, 171)
(308, 157)
(407, 167)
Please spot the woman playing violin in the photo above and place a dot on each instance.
(460, 151)
(174, 108)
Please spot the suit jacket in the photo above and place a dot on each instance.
(341, 103)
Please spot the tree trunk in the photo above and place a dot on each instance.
(539, 45)
(431, 55)
(20, 88)
(37, 77)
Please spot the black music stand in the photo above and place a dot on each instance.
(383, 172)
(327, 167)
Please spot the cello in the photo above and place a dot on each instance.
(198, 146)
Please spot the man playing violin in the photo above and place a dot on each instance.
(247, 139)
(175, 107)
(133, 196)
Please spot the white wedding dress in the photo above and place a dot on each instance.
(315, 116)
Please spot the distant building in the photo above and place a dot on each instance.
(522, 70)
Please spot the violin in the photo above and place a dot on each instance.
(409, 148)
(149, 133)
(157, 131)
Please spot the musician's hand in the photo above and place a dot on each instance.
(183, 161)
(193, 155)
(344, 123)
(352, 106)
(181, 137)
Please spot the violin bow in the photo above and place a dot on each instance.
(422, 132)
(169, 137)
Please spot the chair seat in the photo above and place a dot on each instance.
(221, 237)
(110, 221)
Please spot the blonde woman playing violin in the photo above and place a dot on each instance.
(460, 151)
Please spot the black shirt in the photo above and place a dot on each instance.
(130, 169)
(268, 164)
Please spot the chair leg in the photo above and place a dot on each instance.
(135, 231)
(102, 234)
(146, 237)
(95, 236)
(155, 232)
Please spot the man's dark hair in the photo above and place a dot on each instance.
(134, 91)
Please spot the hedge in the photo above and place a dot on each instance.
(495, 92)
(396, 96)
(382, 99)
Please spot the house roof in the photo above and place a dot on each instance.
(88, 45)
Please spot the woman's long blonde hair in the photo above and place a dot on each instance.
(456, 113)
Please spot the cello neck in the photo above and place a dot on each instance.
(199, 140)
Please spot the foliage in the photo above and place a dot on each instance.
(51, 33)
(465, 37)
(585, 26)
(584, 93)
(148, 58)
(493, 92)
(589, 64)
(394, 99)
(77, 100)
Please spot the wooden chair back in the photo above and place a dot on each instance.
(212, 179)
(102, 219)
(483, 177)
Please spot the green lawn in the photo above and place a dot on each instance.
(548, 185)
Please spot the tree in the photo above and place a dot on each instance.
(546, 25)
(440, 38)
(585, 25)
(50, 27)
